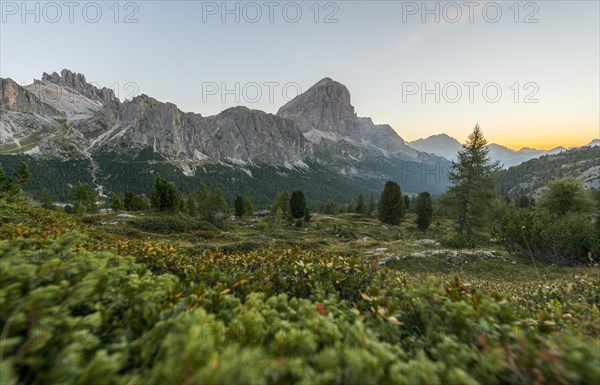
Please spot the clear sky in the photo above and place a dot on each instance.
(394, 57)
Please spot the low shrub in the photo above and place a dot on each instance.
(566, 240)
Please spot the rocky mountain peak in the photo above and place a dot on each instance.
(77, 82)
(66, 78)
(324, 107)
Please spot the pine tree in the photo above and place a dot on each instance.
(22, 176)
(191, 207)
(565, 195)
(406, 202)
(165, 196)
(424, 210)
(391, 208)
(372, 203)
(128, 200)
(204, 199)
(307, 216)
(330, 207)
(47, 201)
(219, 210)
(12, 187)
(84, 199)
(248, 206)
(361, 207)
(524, 202)
(282, 201)
(238, 206)
(116, 203)
(297, 204)
(473, 186)
(351, 207)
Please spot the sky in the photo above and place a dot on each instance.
(527, 72)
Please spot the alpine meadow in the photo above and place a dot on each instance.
(326, 192)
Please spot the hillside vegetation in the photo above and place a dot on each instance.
(85, 303)
(529, 178)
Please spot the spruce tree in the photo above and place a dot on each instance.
(128, 201)
(165, 196)
(238, 206)
(307, 216)
(248, 206)
(116, 203)
(473, 186)
(204, 199)
(424, 210)
(523, 202)
(12, 187)
(391, 208)
(84, 199)
(191, 206)
(361, 207)
(297, 204)
(371, 203)
(47, 201)
(330, 207)
(219, 204)
(282, 201)
(351, 208)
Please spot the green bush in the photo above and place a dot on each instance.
(563, 240)
(169, 224)
(86, 308)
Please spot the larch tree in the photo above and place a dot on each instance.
(473, 186)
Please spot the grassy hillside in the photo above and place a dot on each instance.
(158, 299)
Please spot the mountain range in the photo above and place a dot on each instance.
(531, 177)
(71, 131)
(68, 127)
(447, 147)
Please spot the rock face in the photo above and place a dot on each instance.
(386, 139)
(323, 111)
(318, 127)
(77, 82)
(325, 115)
(13, 97)
(237, 135)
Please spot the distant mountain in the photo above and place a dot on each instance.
(594, 143)
(446, 146)
(530, 178)
(441, 145)
(63, 117)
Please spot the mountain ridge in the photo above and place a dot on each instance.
(63, 117)
(446, 146)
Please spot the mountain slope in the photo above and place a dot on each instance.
(63, 117)
(531, 177)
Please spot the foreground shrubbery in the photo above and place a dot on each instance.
(560, 230)
(94, 309)
(569, 239)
